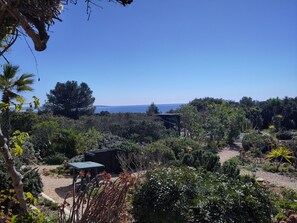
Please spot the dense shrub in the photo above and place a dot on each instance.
(23, 121)
(183, 195)
(42, 136)
(204, 159)
(286, 203)
(159, 153)
(258, 142)
(64, 142)
(55, 159)
(32, 181)
(230, 168)
(180, 145)
(29, 155)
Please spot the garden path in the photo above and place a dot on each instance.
(54, 186)
(273, 178)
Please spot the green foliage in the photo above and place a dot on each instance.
(55, 159)
(60, 170)
(286, 202)
(230, 168)
(71, 100)
(184, 195)
(23, 121)
(42, 136)
(64, 141)
(269, 167)
(87, 141)
(152, 109)
(258, 142)
(17, 141)
(180, 145)
(279, 155)
(204, 159)
(10, 210)
(213, 121)
(286, 168)
(160, 153)
(48, 203)
(33, 216)
(32, 181)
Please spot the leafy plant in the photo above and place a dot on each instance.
(182, 195)
(258, 143)
(230, 168)
(55, 159)
(279, 155)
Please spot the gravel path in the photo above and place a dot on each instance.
(56, 187)
(273, 178)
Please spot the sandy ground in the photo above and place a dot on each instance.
(57, 187)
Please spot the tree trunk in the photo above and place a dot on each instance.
(6, 125)
(13, 173)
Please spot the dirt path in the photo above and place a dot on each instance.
(56, 187)
(273, 178)
(228, 153)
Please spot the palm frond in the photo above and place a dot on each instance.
(9, 71)
(24, 88)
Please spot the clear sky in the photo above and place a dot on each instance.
(170, 51)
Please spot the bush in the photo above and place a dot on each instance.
(32, 181)
(207, 160)
(182, 195)
(286, 135)
(55, 159)
(230, 168)
(286, 167)
(65, 142)
(180, 145)
(159, 153)
(286, 202)
(269, 167)
(256, 141)
(28, 157)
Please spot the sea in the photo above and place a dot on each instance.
(163, 108)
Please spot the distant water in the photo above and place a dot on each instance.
(136, 108)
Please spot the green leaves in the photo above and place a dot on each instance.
(282, 153)
(17, 141)
(183, 195)
(4, 106)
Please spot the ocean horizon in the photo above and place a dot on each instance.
(163, 108)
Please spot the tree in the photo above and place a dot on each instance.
(71, 100)
(152, 109)
(33, 18)
(8, 84)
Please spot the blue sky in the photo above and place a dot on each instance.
(170, 51)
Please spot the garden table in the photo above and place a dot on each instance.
(85, 166)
